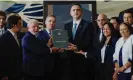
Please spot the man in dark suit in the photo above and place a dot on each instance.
(2, 22)
(11, 55)
(49, 26)
(37, 60)
(98, 37)
(45, 35)
(80, 33)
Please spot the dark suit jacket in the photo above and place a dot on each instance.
(83, 40)
(108, 59)
(11, 56)
(97, 51)
(83, 37)
(36, 56)
(43, 35)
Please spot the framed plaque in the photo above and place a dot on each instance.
(60, 38)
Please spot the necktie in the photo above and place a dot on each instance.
(15, 36)
(101, 35)
(74, 30)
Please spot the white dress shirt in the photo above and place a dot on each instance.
(103, 53)
(126, 51)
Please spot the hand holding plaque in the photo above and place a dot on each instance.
(72, 47)
(50, 43)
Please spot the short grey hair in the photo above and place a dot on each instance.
(32, 21)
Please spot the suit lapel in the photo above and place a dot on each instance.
(70, 33)
(12, 38)
(80, 26)
(47, 34)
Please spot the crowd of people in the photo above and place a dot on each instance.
(102, 52)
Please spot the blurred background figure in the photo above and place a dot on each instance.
(128, 17)
(2, 22)
(116, 23)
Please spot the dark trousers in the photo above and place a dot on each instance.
(34, 78)
(81, 68)
(13, 78)
(105, 73)
(47, 76)
(124, 76)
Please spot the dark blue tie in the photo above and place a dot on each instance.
(120, 58)
(74, 30)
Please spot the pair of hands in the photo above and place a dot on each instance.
(54, 49)
(115, 75)
(75, 49)
(71, 47)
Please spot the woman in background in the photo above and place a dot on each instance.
(107, 50)
(123, 54)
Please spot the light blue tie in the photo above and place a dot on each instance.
(74, 29)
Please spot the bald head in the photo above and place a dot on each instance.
(101, 20)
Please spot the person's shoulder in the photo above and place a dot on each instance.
(119, 40)
(131, 36)
(42, 31)
(27, 34)
(87, 22)
(114, 39)
(68, 23)
(7, 33)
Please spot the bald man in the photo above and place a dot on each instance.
(37, 60)
(101, 20)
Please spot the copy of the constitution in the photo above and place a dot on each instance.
(60, 38)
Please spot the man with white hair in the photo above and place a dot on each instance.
(37, 60)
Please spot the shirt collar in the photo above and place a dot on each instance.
(47, 31)
(78, 21)
(12, 32)
(2, 28)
